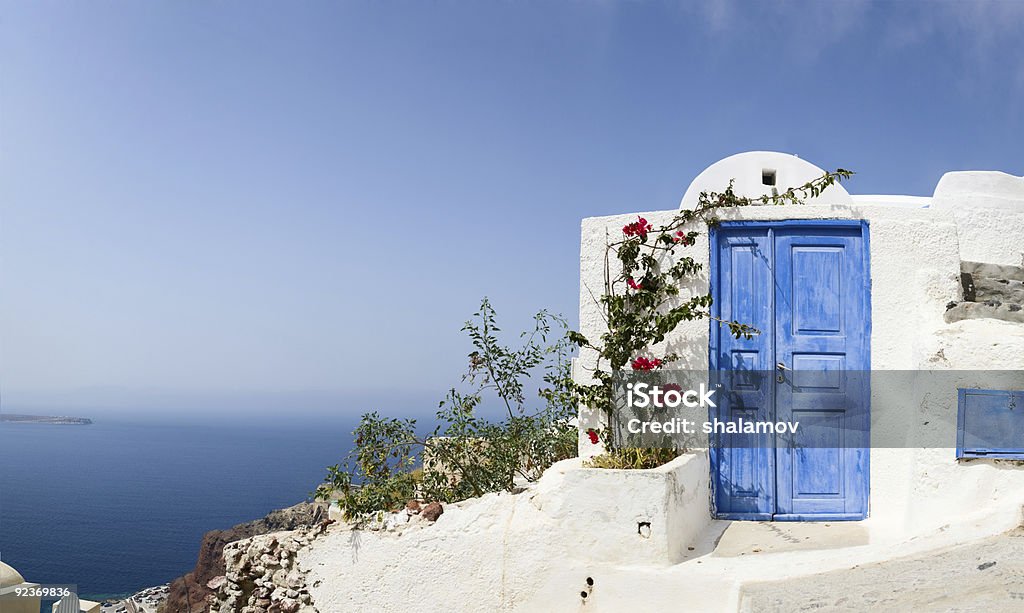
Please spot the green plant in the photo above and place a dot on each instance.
(633, 457)
(467, 455)
(641, 302)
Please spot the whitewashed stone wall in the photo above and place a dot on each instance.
(989, 210)
(504, 551)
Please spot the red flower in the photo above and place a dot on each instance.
(634, 285)
(672, 387)
(640, 228)
(683, 239)
(642, 363)
(593, 436)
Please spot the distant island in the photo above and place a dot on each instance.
(45, 419)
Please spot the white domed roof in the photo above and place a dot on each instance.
(756, 173)
(9, 577)
(979, 189)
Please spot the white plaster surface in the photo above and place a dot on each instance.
(534, 551)
(986, 575)
(910, 202)
(915, 272)
(746, 170)
(506, 550)
(989, 211)
(915, 255)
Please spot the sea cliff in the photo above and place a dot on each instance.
(188, 593)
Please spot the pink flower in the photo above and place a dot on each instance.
(640, 228)
(593, 436)
(681, 238)
(634, 285)
(642, 363)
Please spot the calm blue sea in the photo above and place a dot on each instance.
(116, 506)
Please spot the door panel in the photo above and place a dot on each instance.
(745, 481)
(818, 331)
(820, 336)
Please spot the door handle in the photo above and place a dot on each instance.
(780, 378)
(781, 366)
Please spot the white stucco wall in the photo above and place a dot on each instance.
(915, 269)
(535, 550)
(530, 551)
(989, 210)
(915, 256)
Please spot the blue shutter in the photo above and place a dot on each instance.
(990, 424)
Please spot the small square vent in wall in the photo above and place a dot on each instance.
(990, 424)
(768, 177)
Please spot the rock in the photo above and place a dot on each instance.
(393, 520)
(412, 507)
(990, 291)
(221, 547)
(216, 582)
(280, 577)
(967, 282)
(295, 580)
(432, 511)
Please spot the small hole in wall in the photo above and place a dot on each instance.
(590, 581)
(583, 594)
(768, 176)
(644, 529)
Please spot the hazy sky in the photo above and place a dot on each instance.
(231, 204)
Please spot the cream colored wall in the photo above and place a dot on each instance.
(11, 604)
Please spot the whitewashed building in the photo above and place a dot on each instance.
(892, 285)
(887, 284)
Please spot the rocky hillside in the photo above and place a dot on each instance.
(188, 593)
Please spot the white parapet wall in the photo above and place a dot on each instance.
(507, 551)
(648, 516)
(989, 210)
(574, 541)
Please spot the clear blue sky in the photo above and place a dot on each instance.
(226, 205)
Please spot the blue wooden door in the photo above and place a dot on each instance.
(805, 286)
